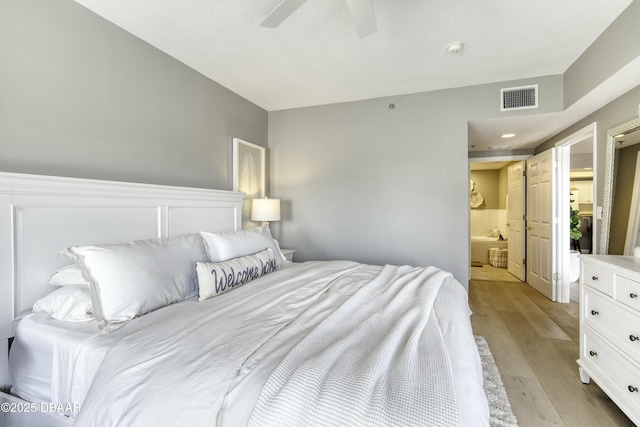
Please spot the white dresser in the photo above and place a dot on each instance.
(610, 328)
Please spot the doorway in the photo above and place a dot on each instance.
(489, 220)
(577, 204)
(557, 255)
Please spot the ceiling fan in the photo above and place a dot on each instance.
(361, 13)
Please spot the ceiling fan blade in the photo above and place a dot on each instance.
(281, 12)
(363, 17)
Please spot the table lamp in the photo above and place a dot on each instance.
(265, 210)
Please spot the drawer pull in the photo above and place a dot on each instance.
(633, 389)
(594, 277)
(593, 353)
(632, 295)
(594, 313)
(633, 338)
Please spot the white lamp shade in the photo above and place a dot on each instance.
(265, 210)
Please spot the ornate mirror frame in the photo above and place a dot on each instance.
(607, 199)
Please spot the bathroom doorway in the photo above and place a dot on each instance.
(489, 221)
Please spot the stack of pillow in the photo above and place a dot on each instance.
(115, 283)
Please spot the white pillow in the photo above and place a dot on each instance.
(234, 244)
(216, 278)
(68, 275)
(69, 304)
(133, 278)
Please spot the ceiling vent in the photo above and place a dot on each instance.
(518, 98)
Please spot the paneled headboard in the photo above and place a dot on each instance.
(41, 215)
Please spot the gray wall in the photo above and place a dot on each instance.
(616, 47)
(488, 184)
(616, 112)
(581, 160)
(378, 185)
(503, 188)
(81, 97)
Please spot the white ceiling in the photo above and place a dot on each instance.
(315, 56)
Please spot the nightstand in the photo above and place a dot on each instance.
(288, 254)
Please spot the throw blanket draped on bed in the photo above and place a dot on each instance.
(378, 360)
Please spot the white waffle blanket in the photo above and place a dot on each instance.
(378, 360)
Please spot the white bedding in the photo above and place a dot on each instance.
(54, 361)
(204, 363)
(377, 360)
(33, 358)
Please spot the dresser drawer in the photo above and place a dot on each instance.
(624, 377)
(618, 325)
(597, 278)
(627, 291)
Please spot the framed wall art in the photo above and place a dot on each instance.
(248, 172)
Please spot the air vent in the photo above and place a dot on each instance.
(519, 98)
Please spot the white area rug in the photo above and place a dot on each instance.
(500, 411)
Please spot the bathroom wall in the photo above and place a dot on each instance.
(492, 184)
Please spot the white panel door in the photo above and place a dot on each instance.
(515, 213)
(540, 230)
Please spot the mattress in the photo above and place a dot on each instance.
(33, 360)
(57, 361)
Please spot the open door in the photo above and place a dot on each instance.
(515, 215)
(540, 227)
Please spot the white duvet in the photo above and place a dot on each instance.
(205, 363)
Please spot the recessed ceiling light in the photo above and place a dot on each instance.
(508, 135)
(499, 147)
(455, 47)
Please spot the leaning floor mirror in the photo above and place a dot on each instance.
(620, 229)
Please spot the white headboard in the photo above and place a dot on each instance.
(41, 215)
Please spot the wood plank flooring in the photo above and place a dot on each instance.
(535, 344)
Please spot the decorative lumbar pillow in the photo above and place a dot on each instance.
(234, 244)
(133, 278)
(216, 278)
(70, 304)
(68, 275)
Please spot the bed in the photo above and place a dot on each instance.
(314, 343)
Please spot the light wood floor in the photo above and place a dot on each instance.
(535, 344)
(489, 272)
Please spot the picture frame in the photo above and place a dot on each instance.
(249, 166)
